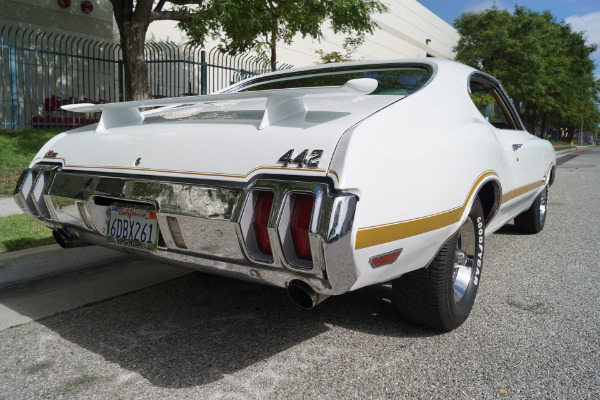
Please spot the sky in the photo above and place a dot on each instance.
(582, 15)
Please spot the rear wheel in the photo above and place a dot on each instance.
(533, 220)
(441, 295)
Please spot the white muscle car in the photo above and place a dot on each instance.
(320, 180)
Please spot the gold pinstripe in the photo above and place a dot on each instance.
(212, 174)
(521, 190)
(547, 179)
(379, 234)
(367, 236)
(334, 174)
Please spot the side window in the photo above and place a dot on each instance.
(490, 104)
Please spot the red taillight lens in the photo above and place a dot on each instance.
(260, 221)
(303, 205)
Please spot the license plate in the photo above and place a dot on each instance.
(133, 226)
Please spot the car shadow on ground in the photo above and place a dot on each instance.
(509, 229)
(196, 329)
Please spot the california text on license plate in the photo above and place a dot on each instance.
(133, 226)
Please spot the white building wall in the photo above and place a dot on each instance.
(404, 32)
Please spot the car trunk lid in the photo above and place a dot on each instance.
(234, 137)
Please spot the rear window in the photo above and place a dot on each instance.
(392, 81)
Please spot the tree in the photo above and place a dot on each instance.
(350, 45)
(261, 24)
(133, 19)
(544, 65)
(245, 24)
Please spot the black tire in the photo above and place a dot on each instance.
(533, 220)
(441, 295)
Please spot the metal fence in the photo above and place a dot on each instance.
(42, 71)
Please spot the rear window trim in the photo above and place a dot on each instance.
(332, 70)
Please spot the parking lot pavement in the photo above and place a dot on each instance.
(534, 331)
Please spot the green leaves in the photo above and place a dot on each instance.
(544, 65)
(242, 25)
(351, 44)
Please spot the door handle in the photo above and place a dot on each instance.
(517, 146)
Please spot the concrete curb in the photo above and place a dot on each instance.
(560, 153)
(25, 266)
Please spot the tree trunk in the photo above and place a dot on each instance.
(563, 134)
(544, 122)
(273, 46)
(524, 114)
(136, 75)
(533, 120)
(133, 24)
(569, 136)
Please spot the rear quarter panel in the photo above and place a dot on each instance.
(421, 159)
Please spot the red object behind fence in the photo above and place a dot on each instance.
(87, 6)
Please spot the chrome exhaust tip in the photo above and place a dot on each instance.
(303, 295)
(67, 240)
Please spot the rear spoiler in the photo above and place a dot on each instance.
(281, 103)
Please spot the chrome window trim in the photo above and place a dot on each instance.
(512, 110)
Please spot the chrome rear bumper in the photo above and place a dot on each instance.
(203, 226)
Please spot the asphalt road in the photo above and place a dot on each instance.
(534, 331)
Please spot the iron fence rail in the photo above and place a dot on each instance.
(42, 71)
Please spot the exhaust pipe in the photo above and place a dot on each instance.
(66, 240)
(303, 295)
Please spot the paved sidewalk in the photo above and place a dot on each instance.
(37, 263)
(34, 264)
(9, 207)
(22, 304)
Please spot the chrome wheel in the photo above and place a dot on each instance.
(533, 219)
(464, 257)
(441, 295)
(543, 204)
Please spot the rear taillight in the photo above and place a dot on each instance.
(299, 224)
(260, 221)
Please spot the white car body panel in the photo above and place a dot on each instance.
(232, 132)
(413, 164)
